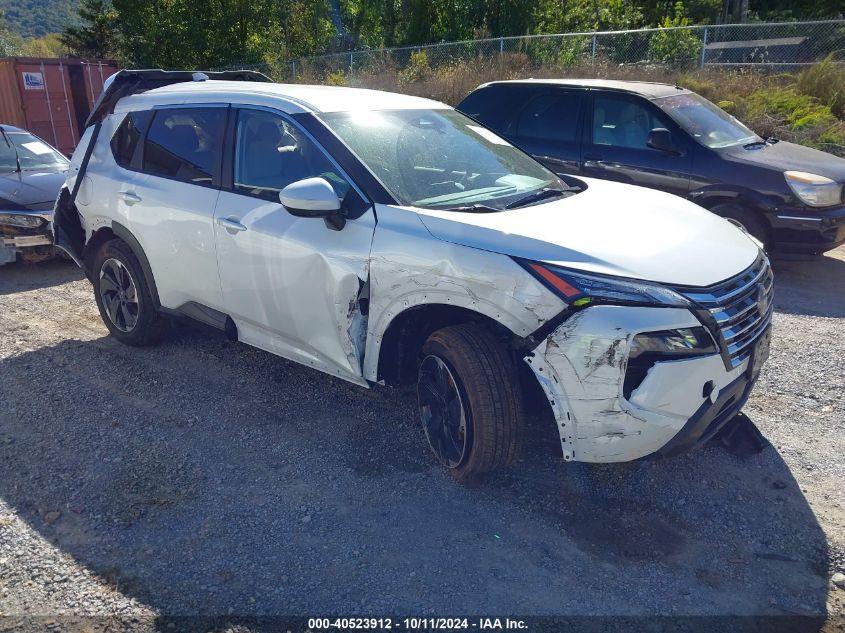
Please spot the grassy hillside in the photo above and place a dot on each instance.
(38, 17)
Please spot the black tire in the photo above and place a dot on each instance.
(490, 399)
(144, 325)
(747, 219)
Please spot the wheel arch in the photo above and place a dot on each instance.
(396, 349)
(117, 231)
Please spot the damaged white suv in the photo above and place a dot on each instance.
(384, 238)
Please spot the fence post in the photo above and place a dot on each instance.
(293, 68)
(350, 63)
(703, 47)
(593, 51)
(501, 45)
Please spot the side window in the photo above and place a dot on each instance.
(494, 105)
(184, 143)
(550, 117)
(622, 122)
(126, 138)
(270, 154)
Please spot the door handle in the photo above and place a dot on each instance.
(130, 197)
(592, 160)
(231, 224)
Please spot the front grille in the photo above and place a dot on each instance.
(740, 307)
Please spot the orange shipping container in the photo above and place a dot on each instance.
(51, 97)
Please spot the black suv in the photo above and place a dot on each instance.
(788, 196)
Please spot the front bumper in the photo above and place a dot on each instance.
(679, 404)
(804, 231)
(14, 239)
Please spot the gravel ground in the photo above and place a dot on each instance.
(205, 477)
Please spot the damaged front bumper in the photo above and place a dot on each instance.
(31, 242)
(581, 367)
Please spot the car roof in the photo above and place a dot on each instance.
(12, 128)
(647, 89)
(291, 98)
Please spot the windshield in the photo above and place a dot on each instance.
(440, 159)
(707, 123)
(32, 152)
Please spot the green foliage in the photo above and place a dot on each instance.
(49, 45)
(790, 107)
(826, 82)
(96, 36)
(675, 47)
(219, 33)
(417, 68)
(34, 18)
(337, 78)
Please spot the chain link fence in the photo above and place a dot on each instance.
(778, 46)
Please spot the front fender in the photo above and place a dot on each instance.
(721, 193)
(488, 283)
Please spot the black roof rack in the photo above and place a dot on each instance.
(130, 82)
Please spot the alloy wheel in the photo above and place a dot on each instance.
(119, 295)
(442, 412)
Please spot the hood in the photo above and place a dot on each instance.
(610, 228)
(28, 189)
(783, 156)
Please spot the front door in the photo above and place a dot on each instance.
(292, 285)
(616, 145)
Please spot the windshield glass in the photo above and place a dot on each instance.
(707, 123)
(440, 159)
(32, 152)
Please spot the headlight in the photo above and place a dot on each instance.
(649, 348)
(25, 221)
(579, 289)
(813, 190)
(680, 343)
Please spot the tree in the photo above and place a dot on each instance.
(10, 42)
(96, 36)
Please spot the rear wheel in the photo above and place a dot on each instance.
(123, 296)
(469, 401)
(745, 219)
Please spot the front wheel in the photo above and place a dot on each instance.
(123, 296)
(469, 401)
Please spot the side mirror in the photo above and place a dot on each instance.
(661, 139)
(313, 198)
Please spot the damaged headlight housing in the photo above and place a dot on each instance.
(648, 348)
(21, 220)
(813, 190)
(581, 289)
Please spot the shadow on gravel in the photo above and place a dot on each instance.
(205, 477)
(812, 286)
(20, 277)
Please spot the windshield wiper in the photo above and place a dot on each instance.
(471, 208)
(536, 196)
(755, 144)
(11, 146)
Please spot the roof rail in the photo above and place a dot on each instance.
(130, 82)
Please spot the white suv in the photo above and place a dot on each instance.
(385, 238)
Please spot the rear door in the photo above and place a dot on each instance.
(170, 203)
(616, 147)
(548, 127)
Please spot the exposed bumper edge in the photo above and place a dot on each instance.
(710, 417)
(24, 241)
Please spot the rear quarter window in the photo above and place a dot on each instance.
(125, 140)
(495, 106)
